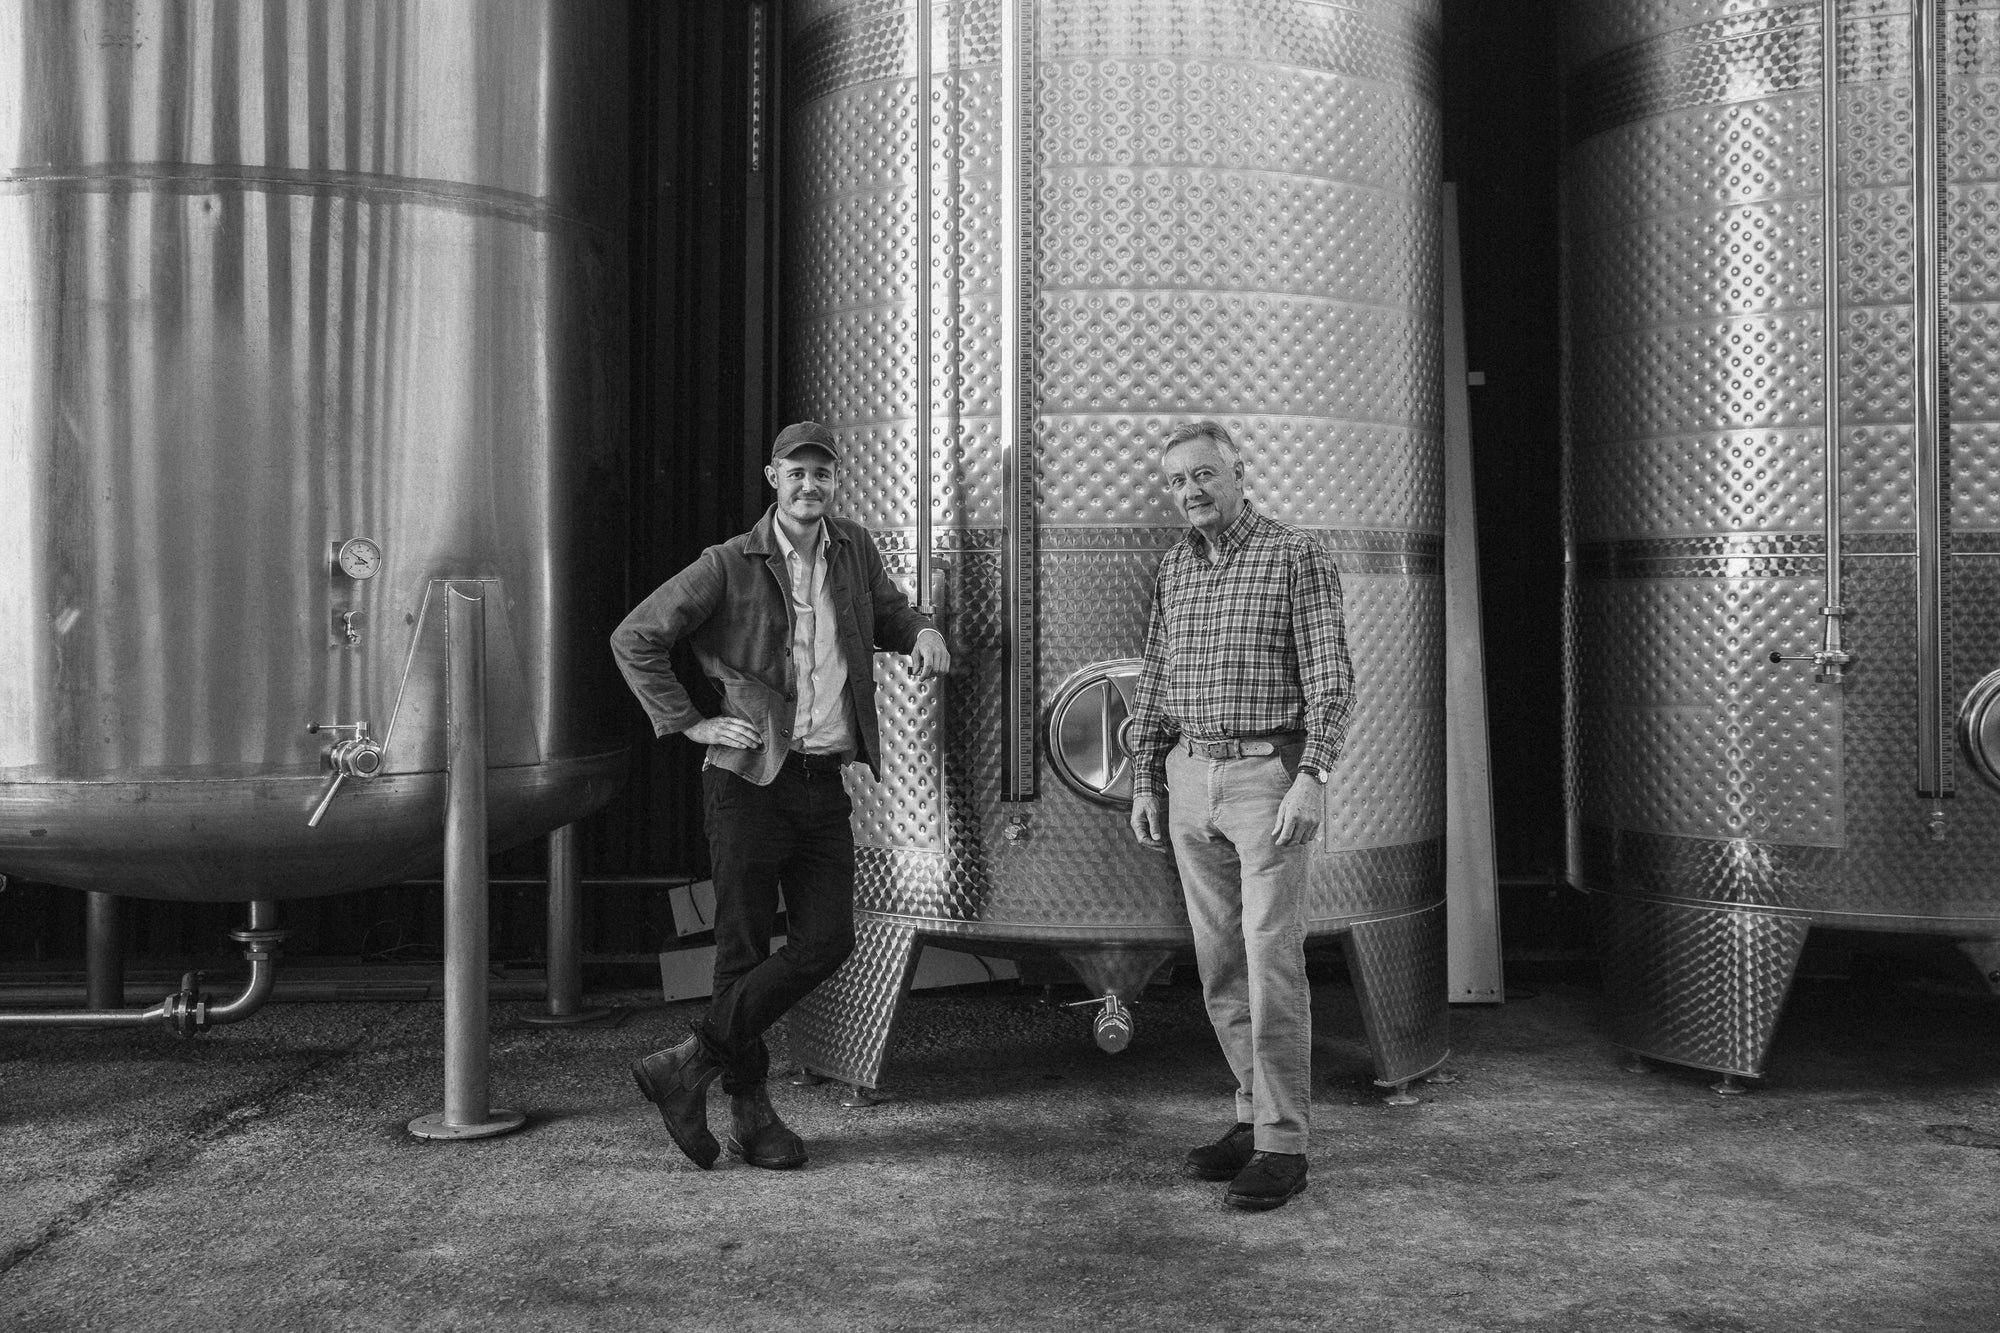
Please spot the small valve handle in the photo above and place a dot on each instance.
(358, 756)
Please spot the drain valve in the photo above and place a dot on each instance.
(1113, 1028)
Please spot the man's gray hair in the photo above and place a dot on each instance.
(1212, 430)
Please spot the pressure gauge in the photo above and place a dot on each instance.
(358, 558)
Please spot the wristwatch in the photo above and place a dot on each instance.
(1318, 775)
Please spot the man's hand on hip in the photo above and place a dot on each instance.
(731, 731)
(1300, 815)
(1149, 822)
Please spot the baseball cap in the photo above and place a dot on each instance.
(801, 435)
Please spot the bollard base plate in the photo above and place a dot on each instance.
(499, 1120)
(576, 1019)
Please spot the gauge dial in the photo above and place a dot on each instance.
(359, 558)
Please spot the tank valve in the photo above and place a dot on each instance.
(1018, 831)
(359, 756)
(1113, 1028)
(1828, 663)
(1936, 824)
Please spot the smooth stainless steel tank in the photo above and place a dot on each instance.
(1723, 803)
(304, 306)
(1129, 213)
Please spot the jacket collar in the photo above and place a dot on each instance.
(763, 538)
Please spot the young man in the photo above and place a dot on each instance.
(785, 620)
(1240, 713)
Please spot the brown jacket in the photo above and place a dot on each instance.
(734, 607)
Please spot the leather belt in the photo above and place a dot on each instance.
(1244, 747)
(817, 763)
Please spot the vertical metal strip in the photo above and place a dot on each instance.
(1017, 394)
(926, 358)
(759, 275)
(1833, 654)
(1934, 777)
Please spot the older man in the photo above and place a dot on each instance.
(1239, 715)
(785, 620)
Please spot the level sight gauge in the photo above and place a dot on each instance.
(359, 558)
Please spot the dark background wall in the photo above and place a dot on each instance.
(702, 251)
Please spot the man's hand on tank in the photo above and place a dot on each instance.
(731, 731)
(1300, 814)
(1149, 822)
(930, 657)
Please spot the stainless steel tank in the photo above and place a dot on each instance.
(1783, 440)
(1023, 241)
(304, 307)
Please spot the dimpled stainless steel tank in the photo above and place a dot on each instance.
(1724, 802)
(304, 307)
(1108, 218)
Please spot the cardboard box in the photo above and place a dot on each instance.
(694, 906)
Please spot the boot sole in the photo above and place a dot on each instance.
(1263, 1203)
(702, 1155)
(735, 1149)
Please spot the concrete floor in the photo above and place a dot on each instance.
(260, 1178)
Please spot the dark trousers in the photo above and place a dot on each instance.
(796, 832)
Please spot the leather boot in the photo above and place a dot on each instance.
(1269, 1179)
(676, 1080)
(1222, 1159)
(757, 1135)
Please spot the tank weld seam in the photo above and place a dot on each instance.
(456, 196)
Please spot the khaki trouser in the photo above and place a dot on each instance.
(1246, 897)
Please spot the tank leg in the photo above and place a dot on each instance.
(1398, 966)
(1697, 985)
(1728, 1087)
(1402, 1096)
(104, 953)
(841, 1031)
(565, 939)
(1637, 1064)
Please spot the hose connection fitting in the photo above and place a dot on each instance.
(1113, 1028)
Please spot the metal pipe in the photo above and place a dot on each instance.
(925, 358)
(187, 1011)
(1934, 778)
(1833, 656)
(467, 1112)
(103, 952)
(1019, 703)
(260, 943)
(465, 905)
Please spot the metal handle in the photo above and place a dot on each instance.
(1827, 662)
(359, 756)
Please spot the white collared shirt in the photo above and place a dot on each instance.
(820, 723)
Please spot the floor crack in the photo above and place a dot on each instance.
(204, 1129)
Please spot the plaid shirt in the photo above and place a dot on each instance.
(1251, 644)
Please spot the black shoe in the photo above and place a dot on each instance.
(1268, 1181)
(1222, 1159)
(757, 1135)
(676, 1080)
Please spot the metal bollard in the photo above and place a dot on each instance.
(467, 1113)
